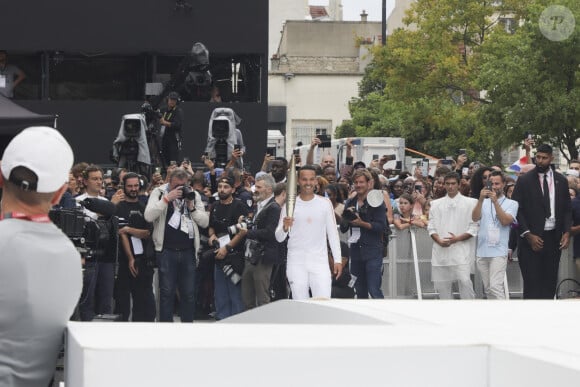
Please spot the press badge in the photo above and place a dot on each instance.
(187, 225)
(492, 235)
(174, 221)
(2, 81)
(355, 235)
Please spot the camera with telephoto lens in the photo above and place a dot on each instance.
(231, 273)
(225, 264)
(187, 192)
(245, 223)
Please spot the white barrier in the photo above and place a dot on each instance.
(400, 280)
(339, 343)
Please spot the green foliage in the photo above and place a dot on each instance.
(425, 84)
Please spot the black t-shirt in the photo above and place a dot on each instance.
(225, 215)
(175, 238)
(124, 210)
(175, 116)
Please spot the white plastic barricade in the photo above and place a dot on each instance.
(400, 281)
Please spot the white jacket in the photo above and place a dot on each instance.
(156, 213)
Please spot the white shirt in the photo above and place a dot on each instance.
(314, 222)
(551, 221)
(262, 204)
(452, 215)
(89, 213)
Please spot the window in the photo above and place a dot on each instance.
(59, 75)
(304, 131)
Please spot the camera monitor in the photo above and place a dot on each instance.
(132, 128)
(220, 129)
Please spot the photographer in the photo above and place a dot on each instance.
(224, 235)
(366, 241)
(176, 212)
(495, 213)
(40, 269)
(171, 122)
(136, 257)
(262, 250)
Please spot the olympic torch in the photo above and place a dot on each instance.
(291, 188)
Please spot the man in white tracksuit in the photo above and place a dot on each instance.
(313, 222)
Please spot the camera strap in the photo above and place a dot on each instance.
(32, 218)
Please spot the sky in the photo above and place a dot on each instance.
(351, 9)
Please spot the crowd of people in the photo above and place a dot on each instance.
(222, 241)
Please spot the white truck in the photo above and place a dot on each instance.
(365, 149)
(276, 143)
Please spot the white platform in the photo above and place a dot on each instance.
(340, 343)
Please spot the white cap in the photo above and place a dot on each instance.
(45, 152)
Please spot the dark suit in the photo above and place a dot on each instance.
(540, 269)
(256, 278)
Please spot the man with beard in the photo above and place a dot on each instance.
(544, 218)
(176, 220)
(495, 213)
(451, 228)
(258, 267)
(135, 275)
(366, 242)
(307, 231)
(229, 255)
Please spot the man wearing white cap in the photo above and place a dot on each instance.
(40, 269)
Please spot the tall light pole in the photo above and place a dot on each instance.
(384, 24)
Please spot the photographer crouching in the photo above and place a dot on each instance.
(176, 212)
(226, 238)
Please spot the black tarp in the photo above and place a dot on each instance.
(14, 118)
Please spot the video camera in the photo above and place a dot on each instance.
(221, 137)
(93, 238)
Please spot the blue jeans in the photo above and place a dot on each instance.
(97, 294)
(367, 266)
(176, 270)
(228, 297)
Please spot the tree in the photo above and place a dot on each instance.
(429, 76)
(532, 82)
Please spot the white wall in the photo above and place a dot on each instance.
(280, 11)
(313, 97)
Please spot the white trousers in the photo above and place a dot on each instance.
(466, 291)
(492, 271)
(303, 277)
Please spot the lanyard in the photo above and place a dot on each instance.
(494, 218)
(32, 218)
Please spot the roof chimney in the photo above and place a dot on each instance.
(363, 16)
